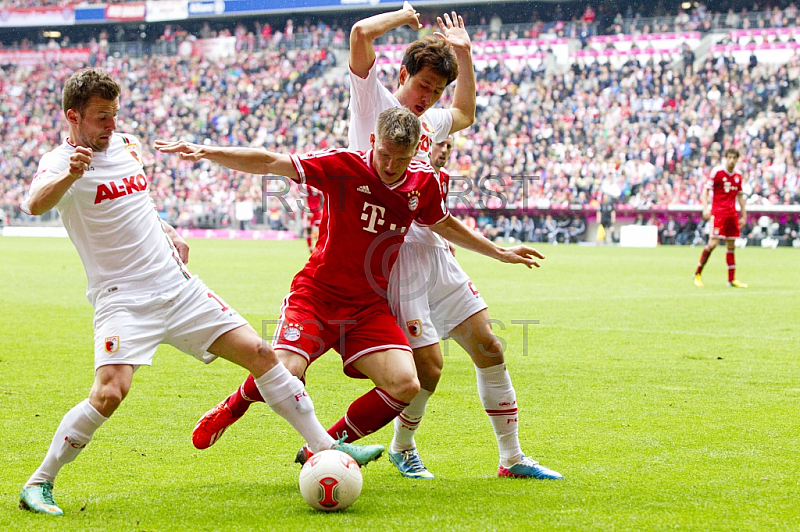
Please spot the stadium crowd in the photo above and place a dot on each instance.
(645, 135)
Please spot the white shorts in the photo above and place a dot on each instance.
(128, 330)
(430, 294)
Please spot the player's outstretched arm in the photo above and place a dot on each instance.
(365, 31)
(46, 194)
(250, 160)
(464, 98)
(456, 232)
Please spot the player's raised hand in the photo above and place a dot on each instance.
(413, 16)
(522, 255)
(80, 161)
(453, 31)
(186, 150)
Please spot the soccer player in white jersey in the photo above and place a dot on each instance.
(138, 283)
(445, 303)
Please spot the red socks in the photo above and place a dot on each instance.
(368, 413)
(703, 259)
(731, 265)
(247, 394)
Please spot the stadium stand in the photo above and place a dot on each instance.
(623, 115)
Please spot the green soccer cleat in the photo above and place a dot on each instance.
(410, 464)
(39, 498)
(362, 454)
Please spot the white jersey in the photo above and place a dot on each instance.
(111, 219)
(368, 99)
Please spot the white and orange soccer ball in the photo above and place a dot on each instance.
(330, 480)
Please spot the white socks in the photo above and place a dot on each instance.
(500, 402)
(286, 395)
(406, 424)
(73, 434)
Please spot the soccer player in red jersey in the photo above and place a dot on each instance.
(725, 185)
(312, 216)
(338, 300)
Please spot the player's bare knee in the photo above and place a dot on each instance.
(107, 397)
(406, 389)
(429, 374)
(265, 352)
(294, 363)
(490, 347)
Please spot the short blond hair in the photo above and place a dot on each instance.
(398, 126)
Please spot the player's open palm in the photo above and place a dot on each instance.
(186, 150)
(453, 30)
(522, 255)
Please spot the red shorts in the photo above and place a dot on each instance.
(725, 227)
(311, 324)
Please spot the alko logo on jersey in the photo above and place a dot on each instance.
(113, 190)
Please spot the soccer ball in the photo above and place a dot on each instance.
(330, 480)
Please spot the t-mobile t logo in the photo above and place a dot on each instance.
(373, 213)
(374, 216)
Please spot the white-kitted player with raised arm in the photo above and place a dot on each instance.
(444, 303)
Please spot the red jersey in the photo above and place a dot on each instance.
(364, 221)
(724, 187)
(313, 200)
(313, 207)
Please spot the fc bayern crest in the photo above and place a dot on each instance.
(414, 328)
(291, 333)
(112, 344)
(413, 200)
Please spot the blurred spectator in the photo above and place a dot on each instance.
(669, 231)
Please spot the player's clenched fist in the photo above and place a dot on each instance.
(80, 161)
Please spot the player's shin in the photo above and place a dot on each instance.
(500, 402)
(287, 396)
(247, 394)
(73, 434)
(407, 423)
(368, 413)
(703, 259)
(731, 260)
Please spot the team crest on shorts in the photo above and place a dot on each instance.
(413, 200)
(414, 328)
(292, 332)
(112, 344)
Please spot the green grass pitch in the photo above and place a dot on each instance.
(665, 406)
